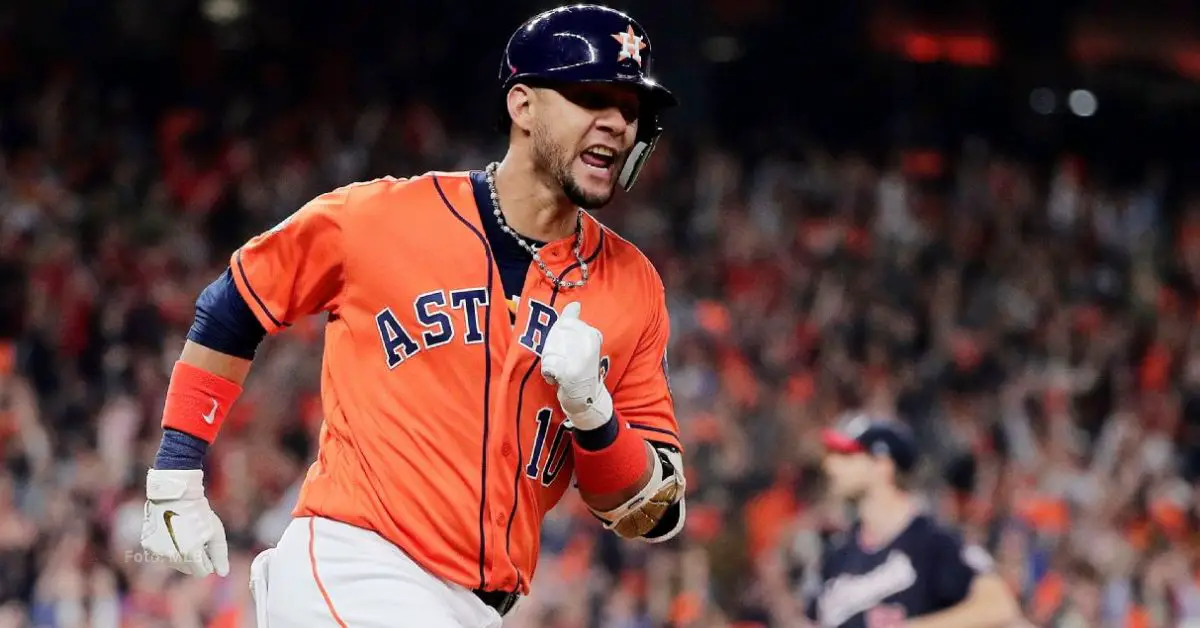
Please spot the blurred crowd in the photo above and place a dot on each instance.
(1037, 327)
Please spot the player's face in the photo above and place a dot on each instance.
(850, 475)
(582, 136)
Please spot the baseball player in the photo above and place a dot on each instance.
(488, 344)
(896, 566)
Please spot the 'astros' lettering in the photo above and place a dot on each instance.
(438, 327)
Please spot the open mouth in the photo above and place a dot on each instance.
(599, 157)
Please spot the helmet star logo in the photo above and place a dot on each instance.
(631, 45)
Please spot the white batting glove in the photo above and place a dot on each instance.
(571, 361)
(180, 526)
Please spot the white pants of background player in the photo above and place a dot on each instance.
(327, 573)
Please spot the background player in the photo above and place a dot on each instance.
(440, 452)
(897, 566)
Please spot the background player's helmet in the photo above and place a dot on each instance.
(586, 43)
(876, 438)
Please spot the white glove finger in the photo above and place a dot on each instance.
(218, 548)
(572, 310)
(201, 564)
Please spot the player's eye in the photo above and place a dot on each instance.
(598, 100)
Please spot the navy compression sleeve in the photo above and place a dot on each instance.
(223, 323)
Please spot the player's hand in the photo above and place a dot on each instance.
(179, 525)
(571, 361)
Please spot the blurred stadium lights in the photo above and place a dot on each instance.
(722, 49)
(223, 11)
(1187, 61)
(1083, 103)
(1043, 101)
(970, 50)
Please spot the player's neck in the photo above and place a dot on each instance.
(531, 206)
(883, 515)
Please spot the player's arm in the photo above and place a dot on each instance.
(288, 272)
(291, 271)
(628, 459)
(964, 579)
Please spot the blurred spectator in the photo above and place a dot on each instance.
(1039, 332)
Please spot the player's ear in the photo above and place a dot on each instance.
(520, 106)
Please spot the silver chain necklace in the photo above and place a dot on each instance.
(533, 251)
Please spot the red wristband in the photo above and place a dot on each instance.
(614, 468)
(198, 401)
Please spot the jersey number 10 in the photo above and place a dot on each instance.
(560, 444)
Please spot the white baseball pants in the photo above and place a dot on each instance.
(327, 573)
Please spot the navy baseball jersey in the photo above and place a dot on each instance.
(924, 569)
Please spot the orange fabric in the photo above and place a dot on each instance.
(1170, 517)
(231, 617)
(685, 609)
(1048, 596)
(714, 317)
(8, 357)
(1138, 534)
(767, 516)
(1137, 617)
(1155, 371)
(1046, 514)
(438, 434)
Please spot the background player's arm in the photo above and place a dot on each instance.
(964, 579)
(815, 578)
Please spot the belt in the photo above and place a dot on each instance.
(502, 601)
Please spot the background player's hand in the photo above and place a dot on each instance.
(180, 526)
(571, 361)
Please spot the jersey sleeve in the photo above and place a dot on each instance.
(954, 566)
(296, 268)
(643, 396)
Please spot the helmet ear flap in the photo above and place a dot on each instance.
(643, 146)
(637, 158)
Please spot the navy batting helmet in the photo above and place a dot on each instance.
(586, 43)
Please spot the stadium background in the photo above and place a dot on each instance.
(977, 217)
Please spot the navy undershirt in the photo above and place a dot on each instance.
(225, 323)
(512, 260)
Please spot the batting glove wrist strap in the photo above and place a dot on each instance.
(593, 416)
(169, 484)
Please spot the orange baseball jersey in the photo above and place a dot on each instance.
(440, 433)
